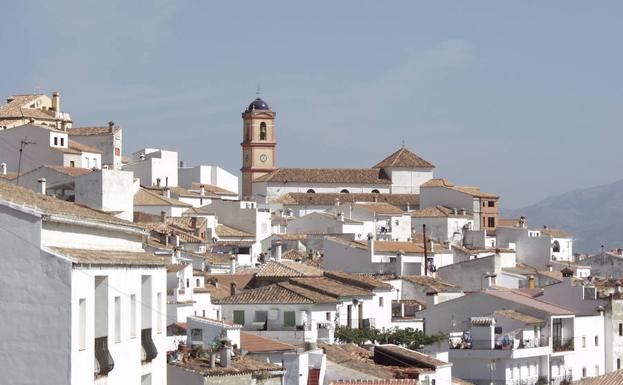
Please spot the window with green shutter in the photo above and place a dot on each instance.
(289, 318)
(239, 317)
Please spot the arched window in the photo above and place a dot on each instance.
(344, 191)
(556, 247)
(311, 191)
(375, 191)
(263, 131)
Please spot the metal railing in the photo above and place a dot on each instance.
(562, 344)
(500, 343)
(149, 348)
(103, 357)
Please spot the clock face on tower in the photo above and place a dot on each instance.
(263, 158)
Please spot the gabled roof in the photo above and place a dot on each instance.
(517, 316)
(379, 207)
(330, 287)
(404, 158)
(521, 299)
(228, 231)
(287, 268)
(326, 175)
(76, 148)
(410, 357)
(253, 343)
(612, 378)
(555, 233)
(473, 191)
(328, 199)
(145, 197)
(435, 285)
(437, 212)
(91, 131)
(18, 108)
(363, 281)
(50, 205)
(279, 293)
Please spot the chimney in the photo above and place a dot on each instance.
(522, 222)
(175, 239)
(141, 156)
(371, 244)
(163, 216)
(431, 245)
(56, 102)
(278, 251)
(455, 211)
(531, 284)
(166, 192)
(232, 288)
(340, 216)
(232, 265)
(158, 182)
(42, 185)
(463, 212)
(3, 169)
(202, 190)
(181, 164)
(550, 267)
(111, 126)
(489, 280)
(225, 354)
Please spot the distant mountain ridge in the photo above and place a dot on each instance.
(593, 215)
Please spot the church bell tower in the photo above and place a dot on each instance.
(258, 144)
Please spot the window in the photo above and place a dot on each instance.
(87, 161)
(261, 316)
(239, 317)
(380, 301)
(197, 285)
(484, 204)
(94, 162)
(375, 191)
(620, 329)
(596, 370)
(82, 319)
(556, 247)
(117, 319)
(203, 313)
(618, 363)
(159, 312)
(583, 341)
(328, 316)
(187, 282)
(491, 222)
(133, 316)
(196, 335)
(584, 372)
(72, 163)
(311, 191)
(62, 142)
(263, 131)
(56, 140)
(596, 340)
(289, 319)
(344, 191)
(491, 203)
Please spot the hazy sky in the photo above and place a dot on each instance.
(523, 99)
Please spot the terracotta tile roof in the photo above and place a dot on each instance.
(331, 287)
(555, 233)
(176, 267)
(109, 257)
(74, 147)
(406, 247)
(287, 268)
(379, 207)
(294, 255)
(460, 381)
(437, 212)
(521, 317)
(524, 300)
(219, 284)
(177, 192)
(233, 243)
(145, 197)
(186, 223)
(327, 199)
(71, 171)
(228, 231)
(212, 189)
(9, 176)
(360, 280)
(279, 293)
(239, 365)
(166, 229)
(404, 158)
(257, 344)
(18, 109)
(410, 357)
(435, 285)
(91, 131)
(473, 191)
(217, 258)
(326, 175)
(508, 223)
(335, 217)
(50, 205)
(612, 378)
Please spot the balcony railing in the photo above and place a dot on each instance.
(500, 343)
(102, 357)
(149, 348)
(562, 344)
(561, 380)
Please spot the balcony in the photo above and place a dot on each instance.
(562, 344)
(149, 348)
(561, 380)
(504, 346)
(103, 360)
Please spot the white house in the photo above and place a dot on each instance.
(443, 224)
(154, 167)
(189, 177)
(34, 108)
(45, 145)
(329, 223)
(151, 202)
(385, 221)
(107, 139)
(95, 307)
(107, 190)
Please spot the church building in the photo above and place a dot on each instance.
(400, 173)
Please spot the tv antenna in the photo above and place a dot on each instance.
(22, 144)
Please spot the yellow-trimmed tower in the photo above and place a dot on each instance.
(258, 144)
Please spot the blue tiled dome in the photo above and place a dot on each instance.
(258, 104)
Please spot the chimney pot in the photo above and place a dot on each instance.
(232, 267)
(3, 168)
(163, 216)
(278, 248)
(111, 126)
(232, 288)
(202, 190)
(158, 182)
(166, 192)
(42, 185)
(56, 102)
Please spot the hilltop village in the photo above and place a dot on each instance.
(129, 266)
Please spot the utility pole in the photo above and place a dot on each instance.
(22, 144)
